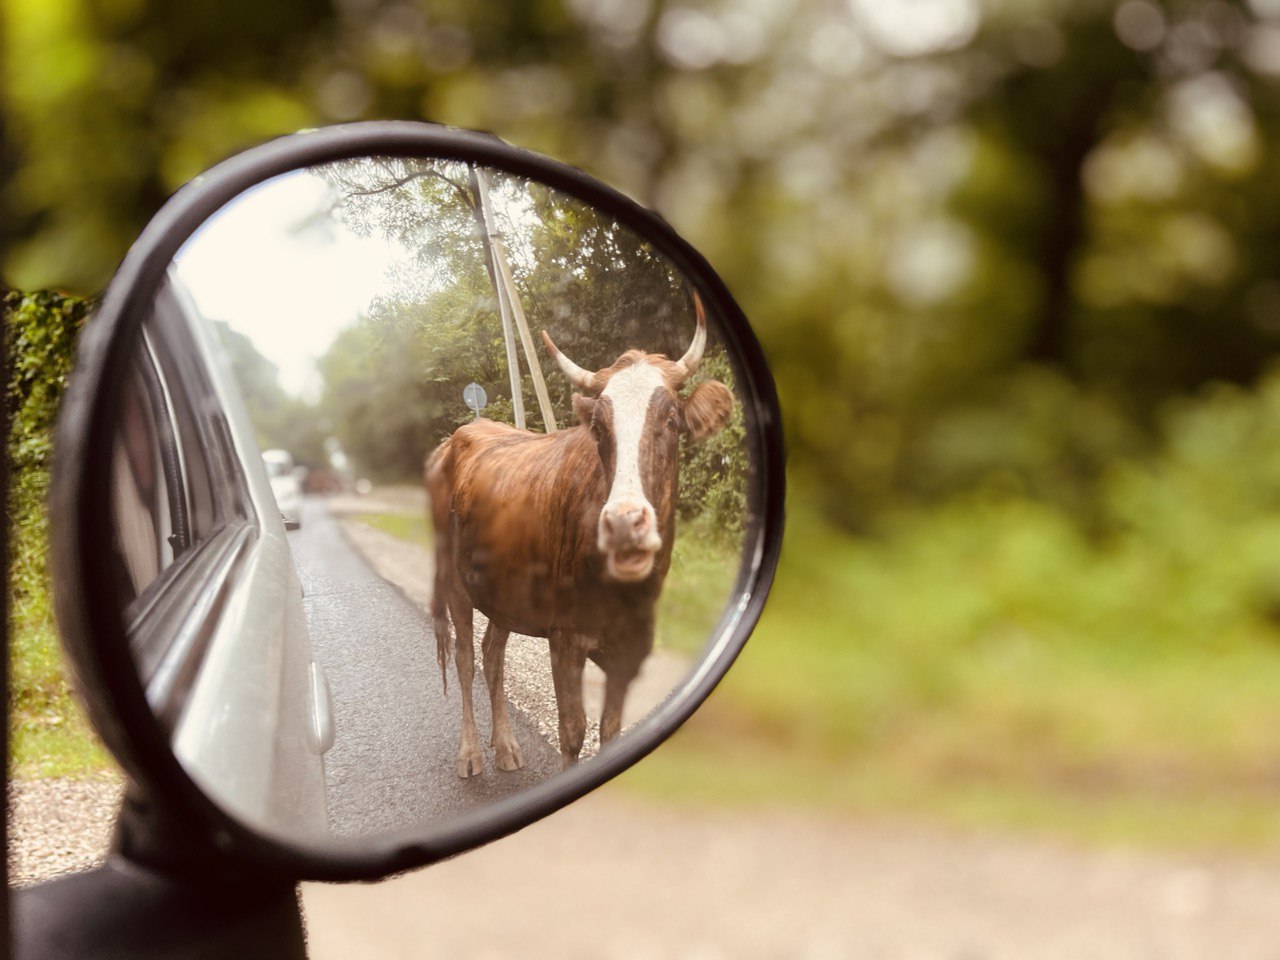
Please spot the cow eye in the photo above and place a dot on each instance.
(673, 423)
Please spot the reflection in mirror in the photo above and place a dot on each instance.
(392, 419)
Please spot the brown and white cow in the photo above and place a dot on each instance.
(566, 536)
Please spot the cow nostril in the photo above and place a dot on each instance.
(626, 525)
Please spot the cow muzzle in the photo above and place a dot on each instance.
(629, 540)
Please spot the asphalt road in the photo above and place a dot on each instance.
(393, 760)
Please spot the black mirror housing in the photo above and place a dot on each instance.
(89, 605)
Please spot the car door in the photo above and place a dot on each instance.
(202, 523)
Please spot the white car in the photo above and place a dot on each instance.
(283, 475)
(215, 618)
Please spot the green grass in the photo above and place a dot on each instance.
(49, 735)
(696, 591)
(706, 766)
(984, 664)
(406, 526)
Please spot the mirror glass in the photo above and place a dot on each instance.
(430, 482)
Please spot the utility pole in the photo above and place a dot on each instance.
(481, 184)
(522, 324)
(508, 295)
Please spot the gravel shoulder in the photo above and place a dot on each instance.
(59, 826)
(612, 877)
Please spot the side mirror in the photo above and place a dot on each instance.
(367, 405)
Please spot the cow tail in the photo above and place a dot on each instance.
(440, 621)
(436, 480)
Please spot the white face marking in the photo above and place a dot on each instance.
(630, 391)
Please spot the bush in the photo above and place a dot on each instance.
(714, 472)
(40, 337)
(1036, 434)
(49, 736)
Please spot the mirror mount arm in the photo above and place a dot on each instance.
(162, 892)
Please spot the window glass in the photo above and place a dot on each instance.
(149, 531)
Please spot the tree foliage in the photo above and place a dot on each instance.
(943, 228)
(393, 383)
(1013, 265)
(281, 420)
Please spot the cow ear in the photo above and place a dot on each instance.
(584, 408)
(707, 409)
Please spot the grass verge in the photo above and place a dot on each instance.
(49, 735)
(696, 591)
(984, 665)
(405, 526)
(981, 665)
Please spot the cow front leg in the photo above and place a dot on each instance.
(470, 761)
(507, 753)
(568, 655)
(617, 680)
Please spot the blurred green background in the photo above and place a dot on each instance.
(1016, 264)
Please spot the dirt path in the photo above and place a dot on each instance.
(615, 878)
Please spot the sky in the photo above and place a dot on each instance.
(290, 288)
(912, 27)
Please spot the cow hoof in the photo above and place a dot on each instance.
(508, 757)
(469, 765)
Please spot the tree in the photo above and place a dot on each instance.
(921, 216)
(280, 420)
(393, 383)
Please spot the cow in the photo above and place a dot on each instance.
(565, 535)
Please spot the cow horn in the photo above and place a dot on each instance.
(692, 358)
(577, 376)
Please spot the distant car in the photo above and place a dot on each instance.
(325, 481)
(283, 474)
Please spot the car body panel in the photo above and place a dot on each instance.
(247, 730)
(283, 476)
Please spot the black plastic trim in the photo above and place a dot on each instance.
(81, 533)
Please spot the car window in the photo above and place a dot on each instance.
(149, 500)
(201, 502)
(176, 480)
